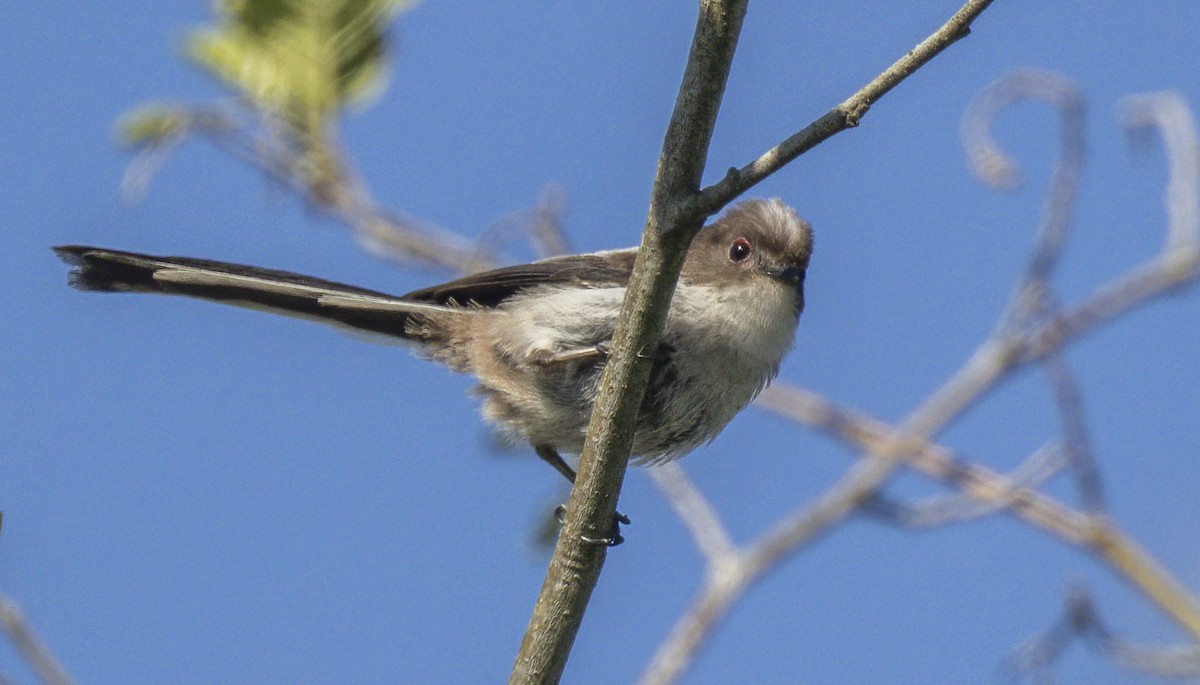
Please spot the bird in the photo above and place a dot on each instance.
(536, 336)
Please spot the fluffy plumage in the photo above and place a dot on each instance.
(535, 335)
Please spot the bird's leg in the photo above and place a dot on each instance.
(544, 354)
(551, 456)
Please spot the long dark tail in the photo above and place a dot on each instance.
(104, 270)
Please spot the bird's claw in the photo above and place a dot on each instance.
(614, 536)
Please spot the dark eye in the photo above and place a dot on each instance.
(739, 250)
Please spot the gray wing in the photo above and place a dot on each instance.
(491, 288)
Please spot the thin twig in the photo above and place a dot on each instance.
(540, 225)
(1178, 661)
(30, 646)
(977, 481)
(695, 511)
(846, 115)
(991, 164)
(1080, 621)
(1034, 297)
(1069, 401)
(957, 507)
(547, 225)
(1099, 535)
(1169, 114)
(265, 146)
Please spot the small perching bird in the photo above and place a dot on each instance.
(536, 335)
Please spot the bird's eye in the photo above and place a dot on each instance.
(739, 250)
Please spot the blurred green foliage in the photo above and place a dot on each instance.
(298, 62)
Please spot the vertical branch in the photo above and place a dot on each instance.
(576, 563)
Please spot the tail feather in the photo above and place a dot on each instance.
(103, 270)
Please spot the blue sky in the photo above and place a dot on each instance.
(197, 494)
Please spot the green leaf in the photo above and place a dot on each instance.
(301, 60)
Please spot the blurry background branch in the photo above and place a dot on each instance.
(31, 648)
(295, 67)
(1037, 656)
(1034, 329)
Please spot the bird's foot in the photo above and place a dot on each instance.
(612, 539)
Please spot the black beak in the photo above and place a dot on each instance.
(792, 275)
